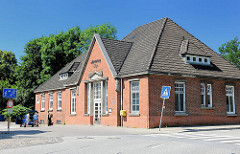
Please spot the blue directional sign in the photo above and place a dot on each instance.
(9, 93)
(165, 92)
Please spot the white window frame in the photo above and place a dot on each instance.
(59, 96)
(180, 92)
(230, 94)
(203, 93)
(50, 101)
(73, 101)
(43, 102)
(209, 93)
(106, 97)
(88, 97)
(134, 91)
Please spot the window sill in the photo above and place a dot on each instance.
(50, 110)
(207, 108)
(59, 109)
(231, 115)
(73, 114)
(42, 110)
(105, 115)
(180, 114)
(86, 114)
(134, 115)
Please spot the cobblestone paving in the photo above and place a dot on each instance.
(21, 141)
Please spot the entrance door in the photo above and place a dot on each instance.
(97, 103)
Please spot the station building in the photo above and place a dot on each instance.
(128, 74)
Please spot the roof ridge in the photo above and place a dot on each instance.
(158, 40)
(145, 25)
(116, 40)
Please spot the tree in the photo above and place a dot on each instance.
(18, 110)
(8, 63)
(47, 55)
(231, 51)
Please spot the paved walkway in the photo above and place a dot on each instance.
(22, 136)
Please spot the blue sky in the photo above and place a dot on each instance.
(214, 22)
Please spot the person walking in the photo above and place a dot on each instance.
(35, 119)
(27, 119)
(49, 119)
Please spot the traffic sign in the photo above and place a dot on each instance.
(165, 92)
(9, 93)
(10, 103)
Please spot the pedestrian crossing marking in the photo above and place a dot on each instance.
(205, 137)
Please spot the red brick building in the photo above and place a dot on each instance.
(128, 74)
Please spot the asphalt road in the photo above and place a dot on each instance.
(115, 140)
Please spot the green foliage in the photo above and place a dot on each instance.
(18, 110)
(47, 55)
(231, 51)
(8, 64)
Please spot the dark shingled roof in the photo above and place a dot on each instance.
(117, 51)
(153, 48)
(54, 83)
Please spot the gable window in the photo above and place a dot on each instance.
(188, 58)
(203, 95)
(179, 96)
(51, 102)
(73, 101)
(134, 96)
(59, 101)
(43, 102)
(230, 100)
(205, 60)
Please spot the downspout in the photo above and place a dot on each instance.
(121, 99)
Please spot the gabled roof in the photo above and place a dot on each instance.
(153, 48)
(55, 83)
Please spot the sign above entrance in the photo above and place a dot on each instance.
(94, 62)
(165, 92)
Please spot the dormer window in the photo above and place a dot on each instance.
(197, 60)
(63, 76)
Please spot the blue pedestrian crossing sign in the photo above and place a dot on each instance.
(165, 92)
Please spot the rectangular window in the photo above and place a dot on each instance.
(50, 101)
(88, 97)
(106, 97)
(97, 90)
(230, 100)
(209, 95)
(59, 100)
(43, 102)
(73, 101)
(203, 95)
(135, 96)
(179, 96)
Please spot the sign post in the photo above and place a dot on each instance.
(9, 105)
(165, 94)
(9, 93)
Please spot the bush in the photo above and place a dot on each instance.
(18, 110)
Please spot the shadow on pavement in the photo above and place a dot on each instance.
(209, 129)
(19, 133)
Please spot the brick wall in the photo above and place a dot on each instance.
(196, 115)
